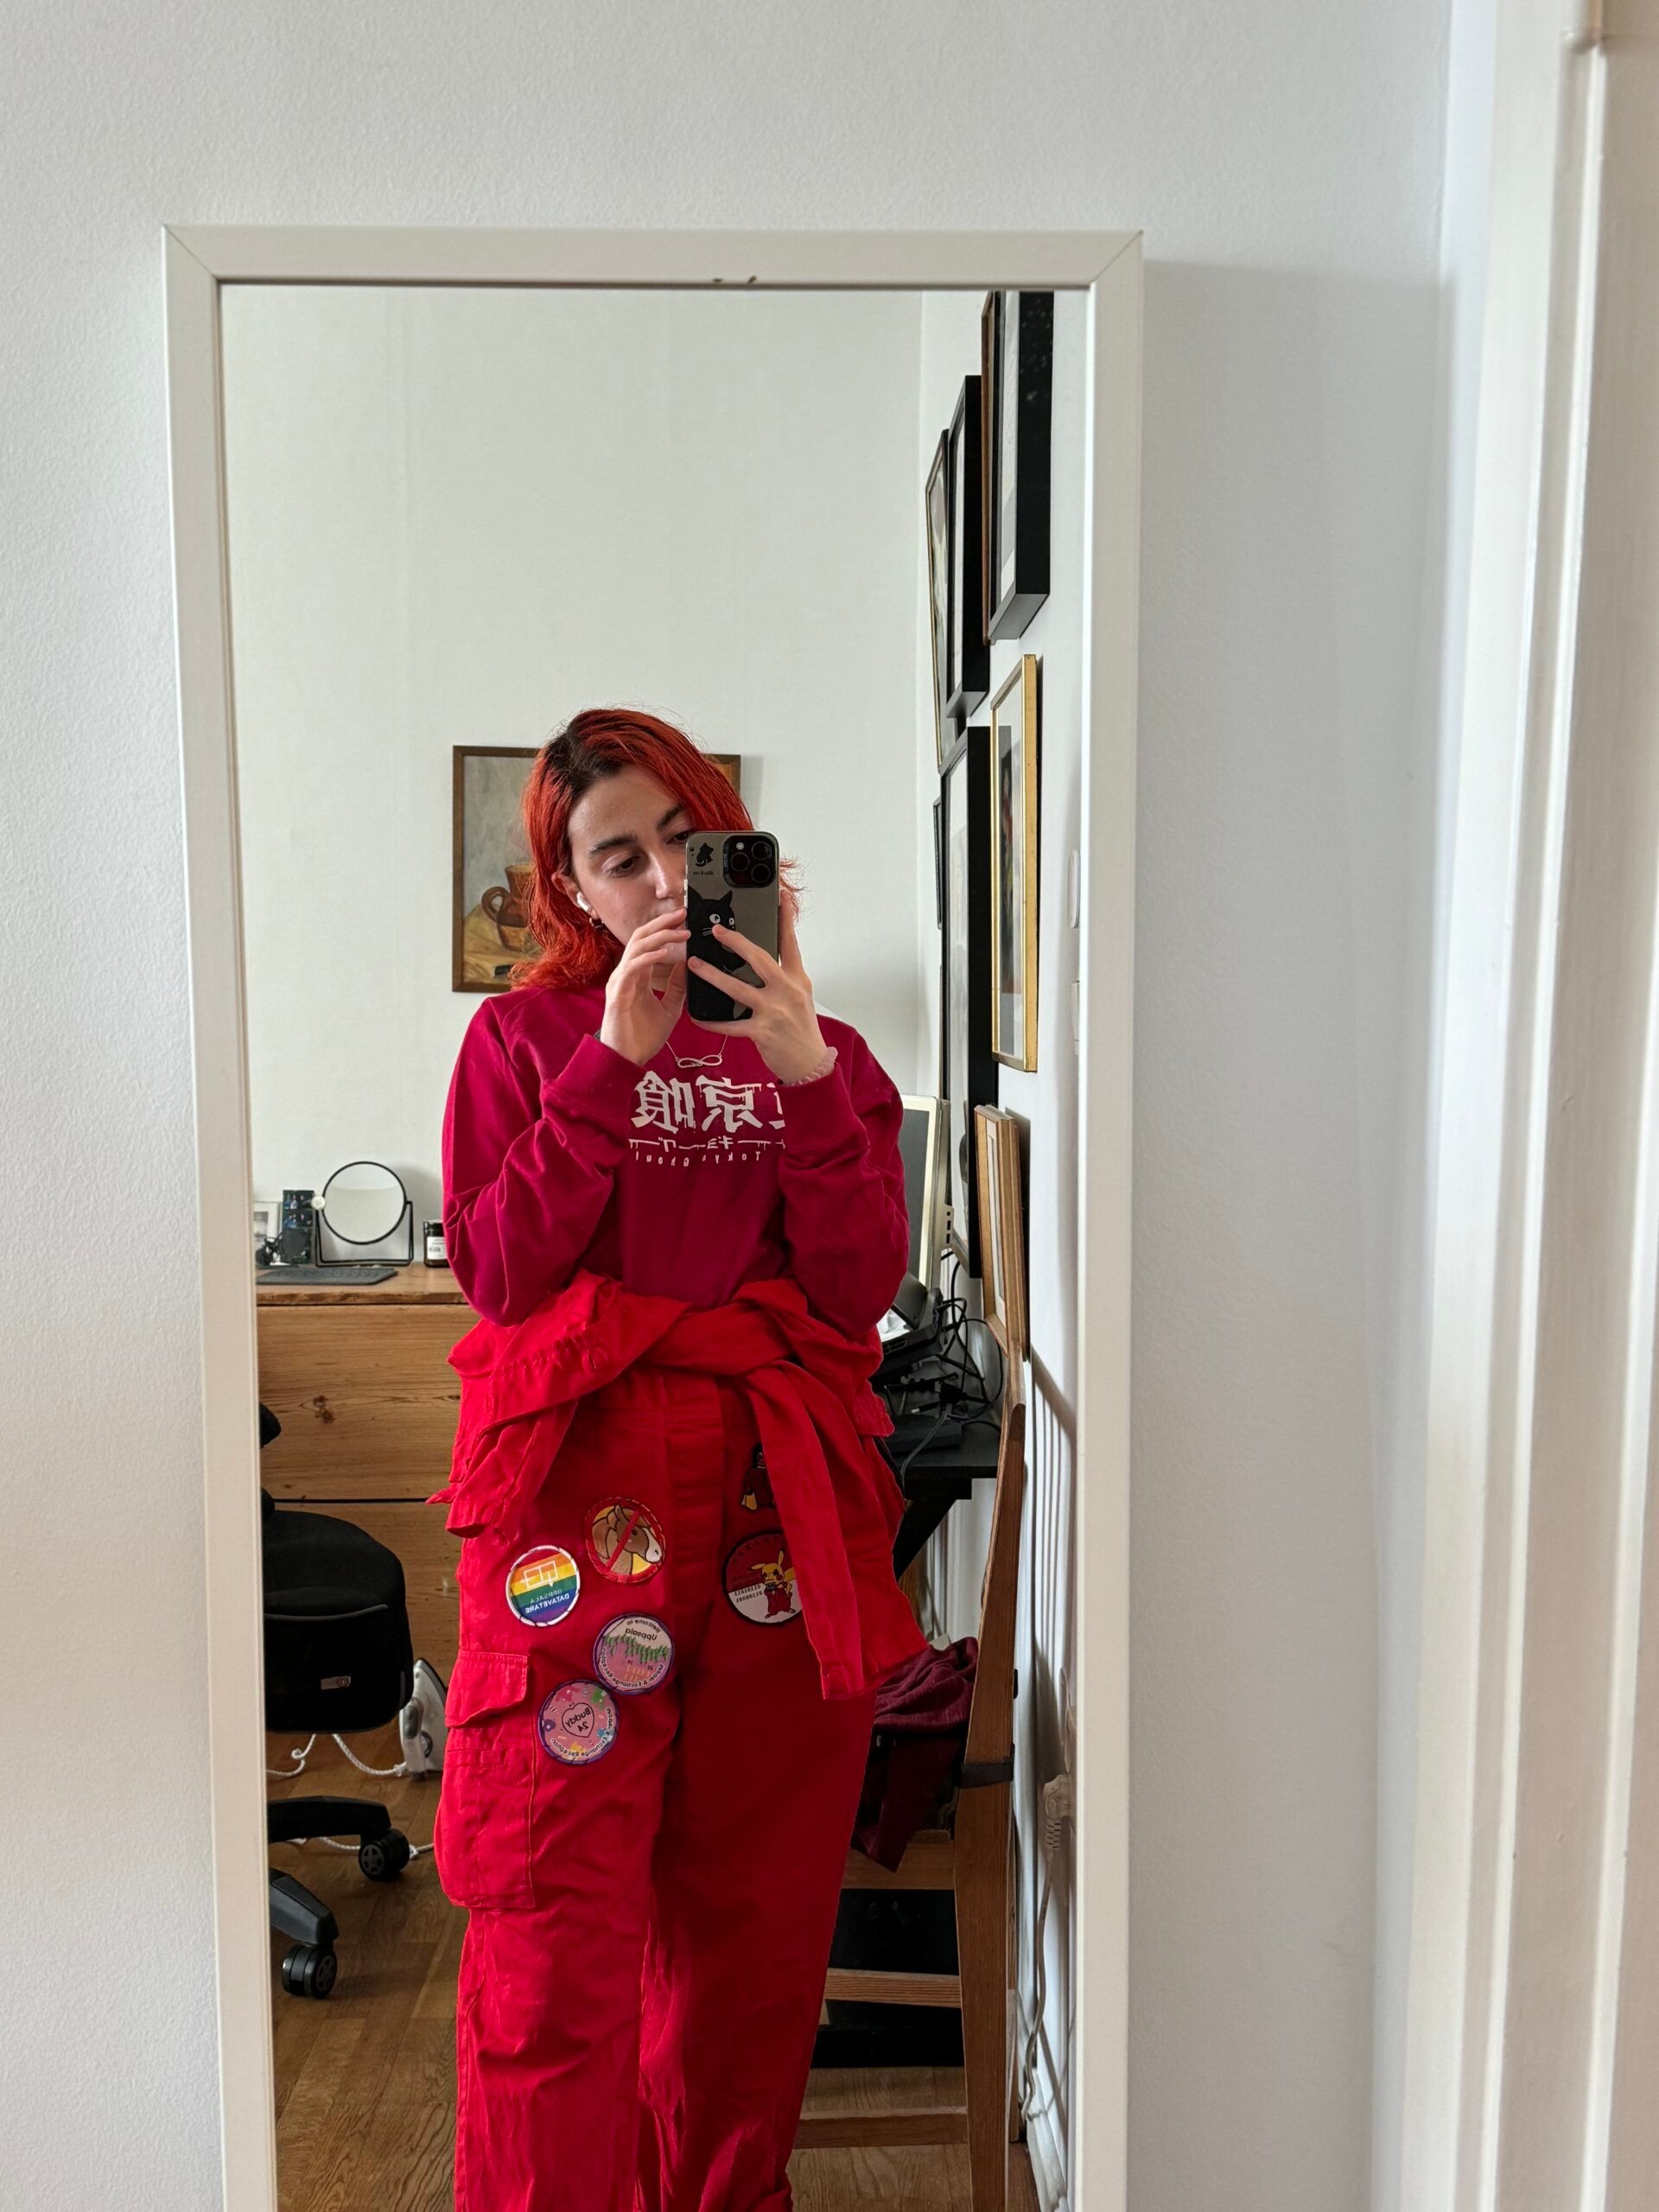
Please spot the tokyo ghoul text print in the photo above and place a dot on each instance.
(678, 1119)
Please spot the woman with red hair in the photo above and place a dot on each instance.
(677, 1587)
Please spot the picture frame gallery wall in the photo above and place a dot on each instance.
(986, 497)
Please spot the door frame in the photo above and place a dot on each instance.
(1107, 265)
(1531, 2031)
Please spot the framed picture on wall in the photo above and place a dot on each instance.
(491, 870)
(967, 1068)
(988, 456)
(938, 516)
(999, 1159)
(1014, 866)
(970, 656)
(1019, 407)
(730, 765)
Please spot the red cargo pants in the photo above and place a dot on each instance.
(645, 1807)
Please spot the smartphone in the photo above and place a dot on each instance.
(731, 876)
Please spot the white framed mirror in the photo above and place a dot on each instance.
(1076, 1099)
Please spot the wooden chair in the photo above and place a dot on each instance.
(970, 1853)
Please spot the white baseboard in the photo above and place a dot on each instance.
(1046, 2151)
(1048, 2168)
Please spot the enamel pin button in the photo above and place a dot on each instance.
(577, 1723)
(759, 1579)
(624, 1540)
(634, 1653)
(542, 1584)
(757, 1484)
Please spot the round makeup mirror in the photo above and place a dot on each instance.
(364, 1203)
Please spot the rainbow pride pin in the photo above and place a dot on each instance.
(542, 1584)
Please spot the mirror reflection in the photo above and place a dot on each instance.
(657, 743)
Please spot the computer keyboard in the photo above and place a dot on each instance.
(307, 1277)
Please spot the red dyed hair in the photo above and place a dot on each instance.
(593, 744)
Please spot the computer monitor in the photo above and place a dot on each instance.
(921, 1145)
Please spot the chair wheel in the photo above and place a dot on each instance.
(309, 1970)
(384, 1859)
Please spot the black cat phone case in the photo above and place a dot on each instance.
(731, 876)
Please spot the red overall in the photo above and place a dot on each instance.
(676, 1599)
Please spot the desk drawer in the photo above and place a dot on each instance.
(366, 1398)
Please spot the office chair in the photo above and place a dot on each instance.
(338, 1658)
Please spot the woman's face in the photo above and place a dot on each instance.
(627, 851)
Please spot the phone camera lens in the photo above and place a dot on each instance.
(762, 871)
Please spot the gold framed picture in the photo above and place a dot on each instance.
(1013, 868)
(491, 875)
(1002, 1229)
(491, 871)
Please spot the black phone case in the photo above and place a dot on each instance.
(709, 898)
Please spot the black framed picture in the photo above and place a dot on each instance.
(967, 1067)
(1020, 407)
(937, 518)
(987, 453)
(970, 655)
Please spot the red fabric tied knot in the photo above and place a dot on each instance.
(814, 1410)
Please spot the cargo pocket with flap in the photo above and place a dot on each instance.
(481, 1833)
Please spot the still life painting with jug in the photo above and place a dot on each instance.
(493, 872)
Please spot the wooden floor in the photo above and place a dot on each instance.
(366, 2080)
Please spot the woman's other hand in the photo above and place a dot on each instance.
(784, 1023)
(637, 1021)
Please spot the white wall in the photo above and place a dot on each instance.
(1286, 165)
(1046, 1102)
(457, 516)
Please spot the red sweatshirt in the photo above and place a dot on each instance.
(680, 1182)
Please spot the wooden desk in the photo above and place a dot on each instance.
(359, 1379)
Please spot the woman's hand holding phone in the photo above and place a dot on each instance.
(783, 1020)
(637, 1022)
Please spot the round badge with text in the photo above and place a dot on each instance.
(542, 1584)
(625, 1540)
(577, 1722)
(759, 1579)
(634, 1653)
